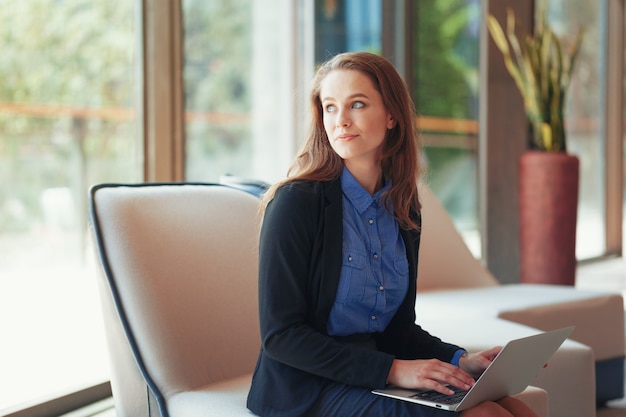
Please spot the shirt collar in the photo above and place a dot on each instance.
(355, 192)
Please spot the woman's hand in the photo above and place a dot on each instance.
(476, 363)
(428, 374)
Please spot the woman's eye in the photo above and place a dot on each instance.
(330, 108)
(358, 105)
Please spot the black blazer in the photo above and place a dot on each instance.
(300, 261)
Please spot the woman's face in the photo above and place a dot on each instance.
(355, 118)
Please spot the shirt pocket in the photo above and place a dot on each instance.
(401, 265)
(353, 279)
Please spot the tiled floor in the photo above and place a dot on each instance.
(609, 275)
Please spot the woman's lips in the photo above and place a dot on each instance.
(345, 136)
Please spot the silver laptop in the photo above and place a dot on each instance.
(509, 373)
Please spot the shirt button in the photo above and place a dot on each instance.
(349, 258)
(381, 288)
(371, 221)
(373, 317)
(375, 256)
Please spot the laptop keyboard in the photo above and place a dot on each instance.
(438, 397)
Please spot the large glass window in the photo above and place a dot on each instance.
(239, 83)
(445, 87)
(445, 82)
(585, 111)
(68, 119)
(350, 25)
(217, 87)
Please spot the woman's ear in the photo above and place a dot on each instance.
(391, 123)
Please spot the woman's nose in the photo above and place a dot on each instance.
(343, 118)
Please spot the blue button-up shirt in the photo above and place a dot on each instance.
(375, 271)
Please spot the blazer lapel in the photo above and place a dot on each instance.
(333, 246)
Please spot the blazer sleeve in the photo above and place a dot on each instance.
(289, 235)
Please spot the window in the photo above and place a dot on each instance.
(239, 83)
(445, 87)
(351, 25)
(585, 107)
(445, 83)
(68, 119)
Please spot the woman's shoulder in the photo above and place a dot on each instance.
(305, 186)
(305, 189)
(304, 196)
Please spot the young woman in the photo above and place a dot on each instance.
(338, 263)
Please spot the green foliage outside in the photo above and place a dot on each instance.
(445, 80)
(446, 57)
(74, 54)
(82, 54)
(217, 79)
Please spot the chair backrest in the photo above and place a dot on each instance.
(445, 262)
(179, 287)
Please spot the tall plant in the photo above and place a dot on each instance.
(541, 67)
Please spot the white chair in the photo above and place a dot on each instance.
(179, 291)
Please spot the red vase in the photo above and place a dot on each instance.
(548, 206)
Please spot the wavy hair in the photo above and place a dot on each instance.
(317, 161)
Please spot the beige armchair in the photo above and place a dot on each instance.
(179, 291)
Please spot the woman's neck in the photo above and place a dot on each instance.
(370, 177)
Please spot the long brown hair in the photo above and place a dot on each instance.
(317, 161)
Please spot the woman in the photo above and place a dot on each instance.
(338, 261)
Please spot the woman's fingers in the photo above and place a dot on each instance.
(476, 363)
(429, 374)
